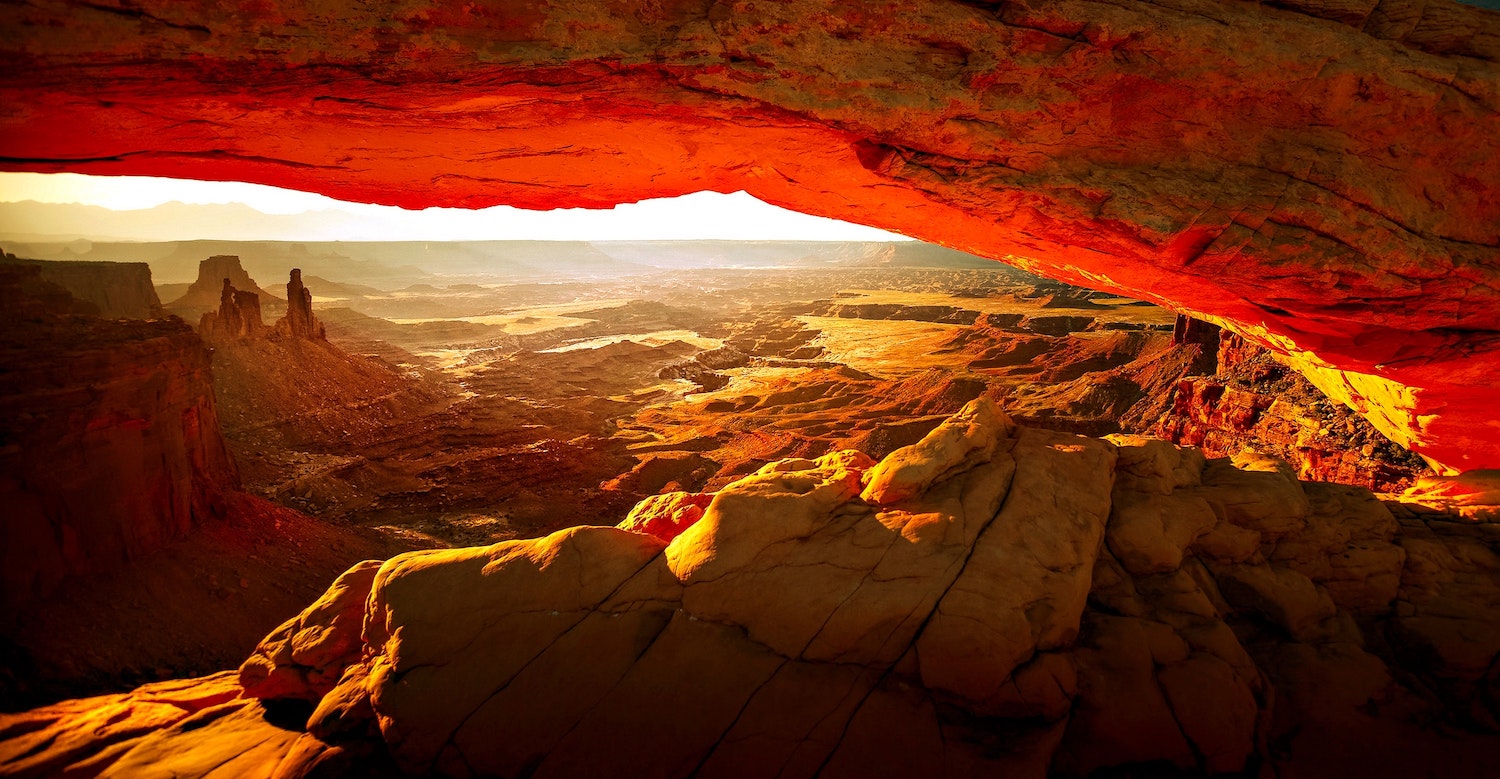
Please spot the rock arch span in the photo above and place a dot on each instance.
(1319, 176)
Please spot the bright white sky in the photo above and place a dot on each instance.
(736, 216)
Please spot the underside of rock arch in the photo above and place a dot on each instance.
(1319, 176)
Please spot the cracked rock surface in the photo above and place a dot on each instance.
(994, 600)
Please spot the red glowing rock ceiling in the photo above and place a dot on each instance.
(1322, 177)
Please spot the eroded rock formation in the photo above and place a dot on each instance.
(116, 290)
(111, 444)
(299, 321)
(238, 316)
(215, 274)
(1317, 176)
(1249, 400)
(993, 600)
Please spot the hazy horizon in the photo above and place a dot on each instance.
(68, 206)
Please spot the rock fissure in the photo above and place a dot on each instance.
(750, 699)
(1095, 631)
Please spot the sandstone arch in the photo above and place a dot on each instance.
(1319, 176)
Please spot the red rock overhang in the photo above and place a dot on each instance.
(1327, 186)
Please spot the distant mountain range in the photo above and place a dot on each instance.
(30, 221)
(396, 264)
(48, 231)
(802, 254)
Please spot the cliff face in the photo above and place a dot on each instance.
(206, 292)
(119, 290)
(991, 601)
(1249, 400)
(109, 444)
(1320, 177)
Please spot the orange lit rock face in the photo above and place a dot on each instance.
(995, 600)
(1250, 400)
(1323, 181)
(666, 516)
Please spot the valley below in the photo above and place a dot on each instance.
(516, 410)
(999, 520)
(347, 430)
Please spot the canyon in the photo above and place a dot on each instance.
(1175, 453)
(1315, 177)
(125, 521)
(580, 398)
(829, 434)
(992, 598)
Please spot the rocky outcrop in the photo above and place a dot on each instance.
(299, 321)
(1316, 176)
(1250, 400)
(109, 444)
(116, 290)
(158, 724)
(207, 292)
(1187, 330)
(994, 600)
(304, 657)
(238, 317)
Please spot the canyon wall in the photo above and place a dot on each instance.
(1318, 177)
(118, 290)
(109, 440)
(1247, 399)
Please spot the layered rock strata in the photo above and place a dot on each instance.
(1250, 400)
(109, 441)
(1317, 176)
(994, 600)
(238, 317)
(116, 290)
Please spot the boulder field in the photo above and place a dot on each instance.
(1318, 176)
(993, 600)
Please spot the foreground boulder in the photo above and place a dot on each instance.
(994, 600)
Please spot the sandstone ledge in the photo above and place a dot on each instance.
(1000, 600)
(1318, 176)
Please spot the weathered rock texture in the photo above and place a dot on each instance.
(238, 317)
(1318, 176)
(118, 290)
(234, 736)
(299, 321)
(992, 601)
(207, 291)
(109, 440)
(1250, 400)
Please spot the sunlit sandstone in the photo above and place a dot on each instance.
(1024, 603)
(1317, 176)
